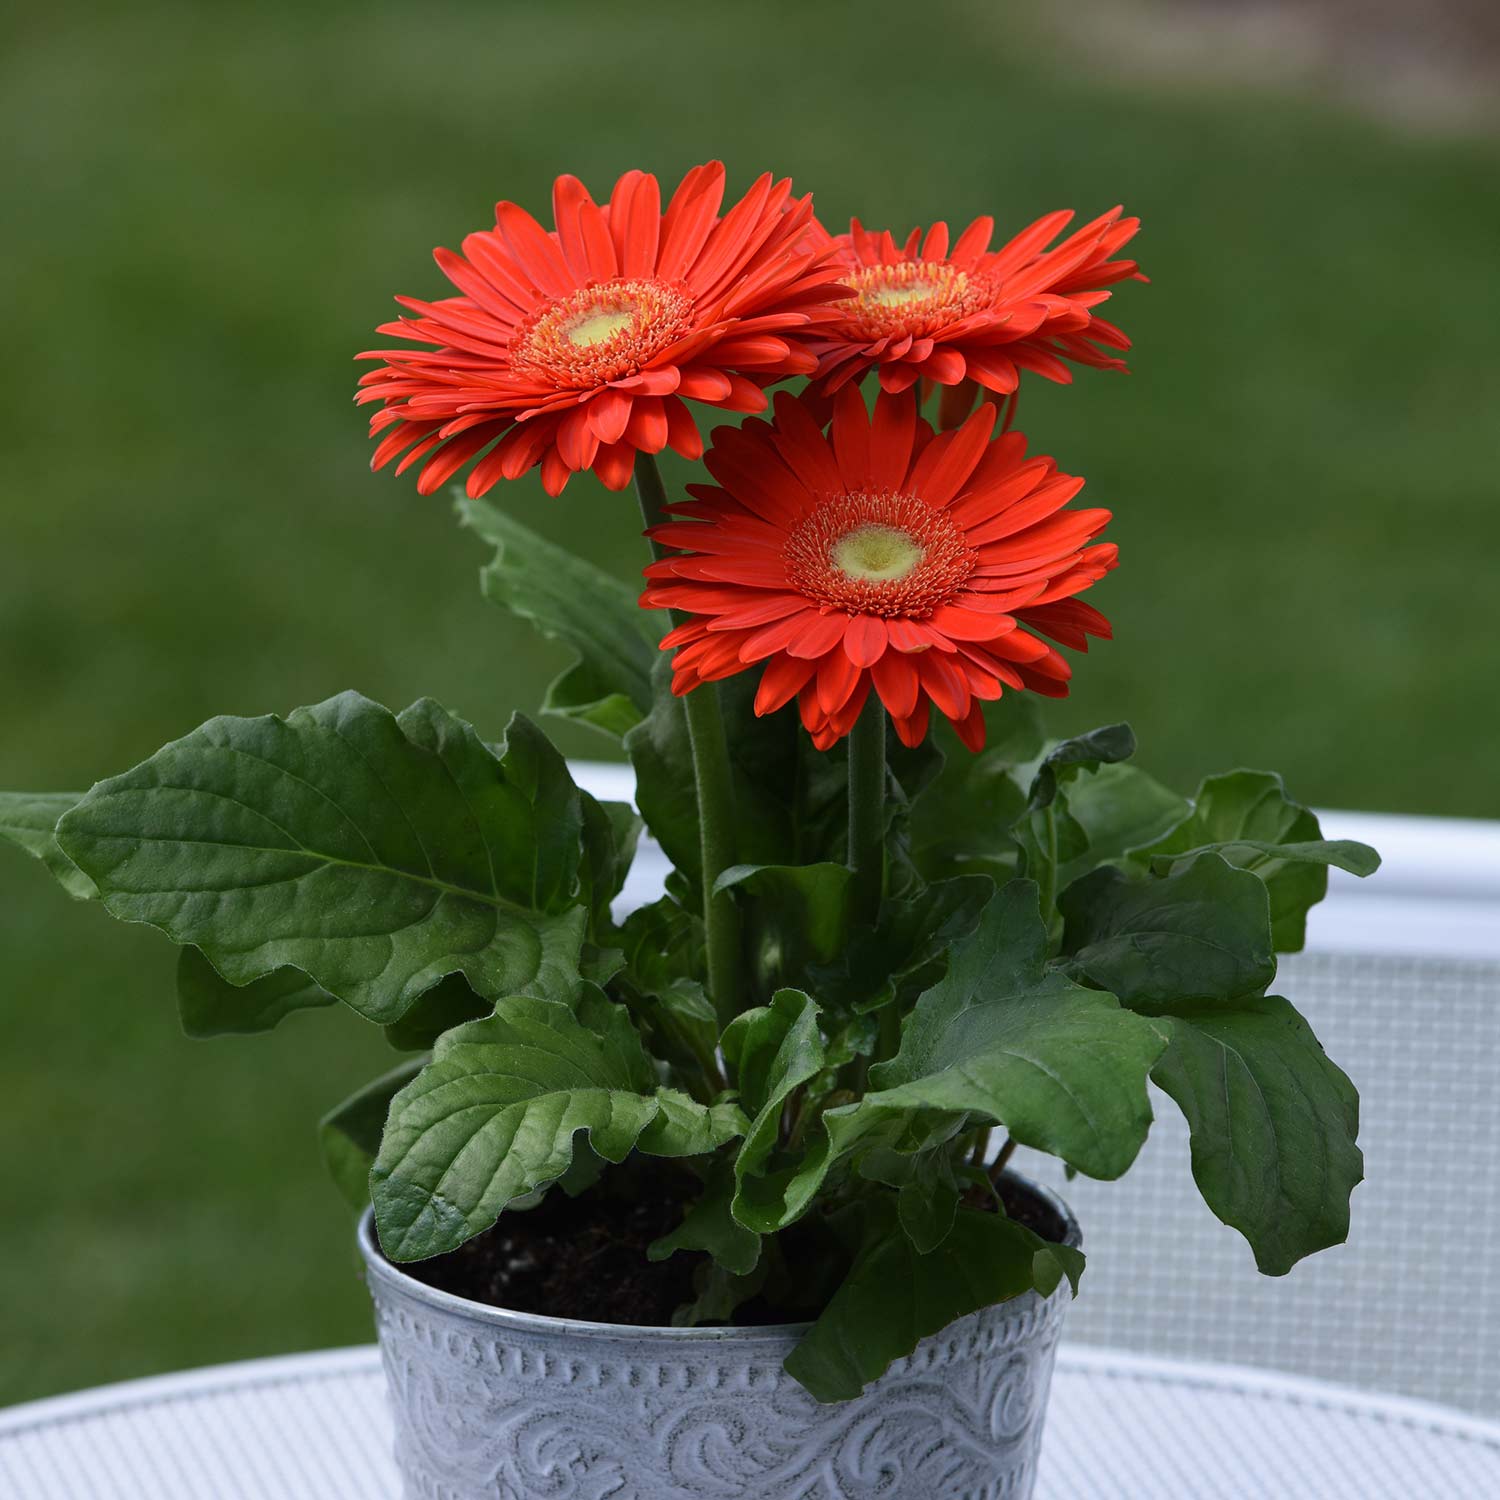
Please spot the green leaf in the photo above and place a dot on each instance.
(350, 1134)
(719, 1294)
(1204, 930)
(376, 854)
(962, 822)
(662, 942)
(28, 820)
(1273, 1124)
(894, 1296)
(1002, 1037)
(903, 952)
(999, 1040)
(570, 600)
(795, 916)
(449, 1003)
(1115, 808)
(684, 1127)
(708, 1226)
(770, 1051)
(611, 831)
(1247, 817)
(666, 792)
(493, 1116)
(662, 947)
(210, 1006)
(1085, 752)
(927, 1190)
(1054, 844)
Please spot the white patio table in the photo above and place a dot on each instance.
(1121, 1427)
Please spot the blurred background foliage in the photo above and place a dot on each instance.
(210, 207)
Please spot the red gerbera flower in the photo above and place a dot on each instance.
(974, 314)
(878, 555)
(575, 347)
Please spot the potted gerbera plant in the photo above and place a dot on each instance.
(713, 1196)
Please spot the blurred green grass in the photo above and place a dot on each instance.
(209, 210)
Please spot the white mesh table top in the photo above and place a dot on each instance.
(1121, 1427)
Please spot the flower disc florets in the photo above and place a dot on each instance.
(604, 331)
(878, 554)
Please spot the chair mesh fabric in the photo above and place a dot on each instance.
(1412, 1303)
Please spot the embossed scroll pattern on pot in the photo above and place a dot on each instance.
(501, 1406)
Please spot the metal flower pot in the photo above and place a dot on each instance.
(495, 1405)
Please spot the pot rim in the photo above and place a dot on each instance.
(399, 1281)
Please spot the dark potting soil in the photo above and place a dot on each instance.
(582, 1258)
(1030, 1211)
(585, 1258)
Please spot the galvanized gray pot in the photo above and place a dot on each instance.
(494, 1405)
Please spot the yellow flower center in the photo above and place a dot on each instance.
(911, 298)
(597, 328)
(601, 332)
(877, 554)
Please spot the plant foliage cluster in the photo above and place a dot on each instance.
(1056, 931)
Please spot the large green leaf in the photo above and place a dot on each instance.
(492, 1118)
(350, 1134)
(665, 791)
(210, 1006)
(1273, 1124)
(1247, 817)
(374, 853)
(28, 820)
(1204, 930)
(894, 1296)
(570, 600)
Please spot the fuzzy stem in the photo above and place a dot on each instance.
(867, 810)
(715, 789)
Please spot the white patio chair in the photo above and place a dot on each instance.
(1401, 982)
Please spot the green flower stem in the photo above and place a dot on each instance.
(715, 789)
(867, 810)
(1048, 882)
